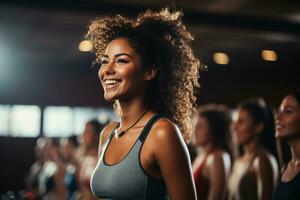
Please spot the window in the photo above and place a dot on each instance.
(24, 121)
(4, 116)
(58, 121)
(65, 121)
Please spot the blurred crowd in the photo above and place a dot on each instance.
(63, 166)
(250, 152)
(234, 155)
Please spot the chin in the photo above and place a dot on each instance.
(287, 136)
(241, 142)
(279, 135)
(110, 98)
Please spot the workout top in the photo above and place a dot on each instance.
(288, 190)
(242, 184)
(201, 182)
(127, 179)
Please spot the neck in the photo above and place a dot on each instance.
(295, 148)
(92, 151)
(252, 147)
(131, 111)
(206, 148)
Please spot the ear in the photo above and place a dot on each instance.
(259, 128)
(150, 73)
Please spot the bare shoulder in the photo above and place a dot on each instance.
(219, 160)
(216, 158)
(164, 129)
(263, 158)
(166, 140)
(265, 162)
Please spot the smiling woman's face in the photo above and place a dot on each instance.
(121, 73)
(288, 119)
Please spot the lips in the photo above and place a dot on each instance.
(110, 83)
(279, 126)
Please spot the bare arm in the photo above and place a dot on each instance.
(217, 177)
(171, 154)
(265, 178)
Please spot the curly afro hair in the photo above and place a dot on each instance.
(162, 41)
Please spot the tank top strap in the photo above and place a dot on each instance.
(148, 126)
(251, 162)
(202, 164)
(112, 133)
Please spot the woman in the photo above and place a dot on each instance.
(90, 139)
(51, 183)
(148, 70)
(212, 165)
(288, 129)
(70, 147)
(254, 174)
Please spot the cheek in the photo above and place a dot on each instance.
(243, 131)
(295, 125)
(202, 134)
(86, 138)
(99, 73)
(132, 73)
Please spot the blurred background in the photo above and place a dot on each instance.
(48, 88)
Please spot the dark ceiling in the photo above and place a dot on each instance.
(40, 62)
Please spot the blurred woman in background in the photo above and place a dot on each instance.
(212, 166)
(255, 172)
(90, 141)
(288, 129)
(32, 181)
(51, 177)
(70, 148)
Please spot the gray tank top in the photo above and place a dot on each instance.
(127, 179)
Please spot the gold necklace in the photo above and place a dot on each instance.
(117, 135)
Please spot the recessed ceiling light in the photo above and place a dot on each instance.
(221, 58)
(85, 46)
(269, 55)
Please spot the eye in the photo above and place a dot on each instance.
(103, 62)
(288, 111)
(122, 61)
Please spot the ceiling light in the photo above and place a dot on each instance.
(269, 55)
(221, 58)
(85, 46)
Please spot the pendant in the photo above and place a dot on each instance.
(116, 134)
(121, 134)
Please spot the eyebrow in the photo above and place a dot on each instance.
(287, 107)
(117, 55)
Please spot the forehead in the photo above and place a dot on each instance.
(202, 118)
(290, 101)
(240, 113)
(119, 45)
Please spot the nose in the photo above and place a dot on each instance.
(278, 116)
(233, 127)
(106, 69)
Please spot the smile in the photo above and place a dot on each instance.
(111, 83)
(279, 126)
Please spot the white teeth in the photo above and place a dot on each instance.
(110, 81)
(279, 126)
